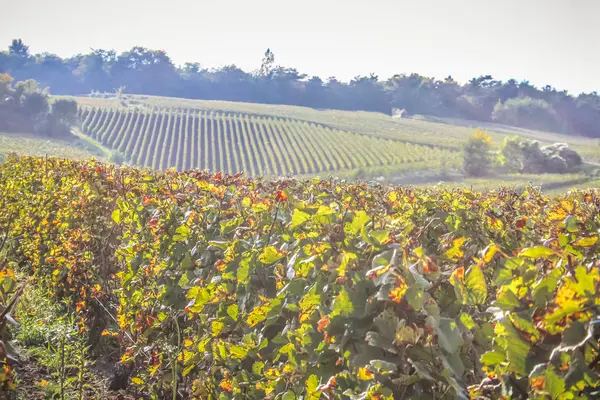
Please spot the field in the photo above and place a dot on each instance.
(233, 142)
(208, 286)
(275, 140)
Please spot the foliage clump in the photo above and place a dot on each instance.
(526, 112)
(520, 155)
(117, 158)
(25, 107)
(477, 154)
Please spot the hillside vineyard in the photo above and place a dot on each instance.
(229, 142)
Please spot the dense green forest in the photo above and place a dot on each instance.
(152, 72)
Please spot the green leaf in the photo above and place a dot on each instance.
(243, 271)
(386, 324)
(238, 352)
(574, 336)
(467, 321)
(383, 367)
(187, 262)
(555, 385)
(342, 305)
(298, 218)
(454, 362)
(229, 226)
(359, 220)
(476, 286)
(380, 236)
(449, 336)
(507, 300)
(270, 255)
(182, 233)
(563, 240)
(258, 367)
(517, 350)
(347, 260)
(492, 358)
(543, 291)
(289, 395)
(537, 252)
(572, 224)
(586, 281)
(415, 297)
(232, 311)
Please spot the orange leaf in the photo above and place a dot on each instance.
(226, 385)
(322, 324)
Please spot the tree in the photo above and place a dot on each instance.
(266, 66)
(25, 108)
(64, 111)
(526, 112)
(368, 95)
(18, 48)
(477, 154)
(152, 72)
(5, 88)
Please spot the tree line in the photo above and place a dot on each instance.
(152, 72)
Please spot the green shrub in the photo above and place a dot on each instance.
(519, 155)
(511, 155)
(117, 157)
(477, 155)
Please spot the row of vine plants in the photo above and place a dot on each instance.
(233, 143)
(224, 287)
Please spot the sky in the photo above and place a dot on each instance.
(551, 42)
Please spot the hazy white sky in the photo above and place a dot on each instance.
(552, 42)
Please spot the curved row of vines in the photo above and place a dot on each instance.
(187, 139)
(232, 288)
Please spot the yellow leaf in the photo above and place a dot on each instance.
(489, 253)
(456, 252)
(397, 293)
(364, 374)
(586, 242)
(137, 381)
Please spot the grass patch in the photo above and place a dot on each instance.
(92, 144)
(55, 359)
(28, 144)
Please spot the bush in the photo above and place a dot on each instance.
(117, 157)
(64, 111)
(477, 156)
(511, 155)
(518, 155)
